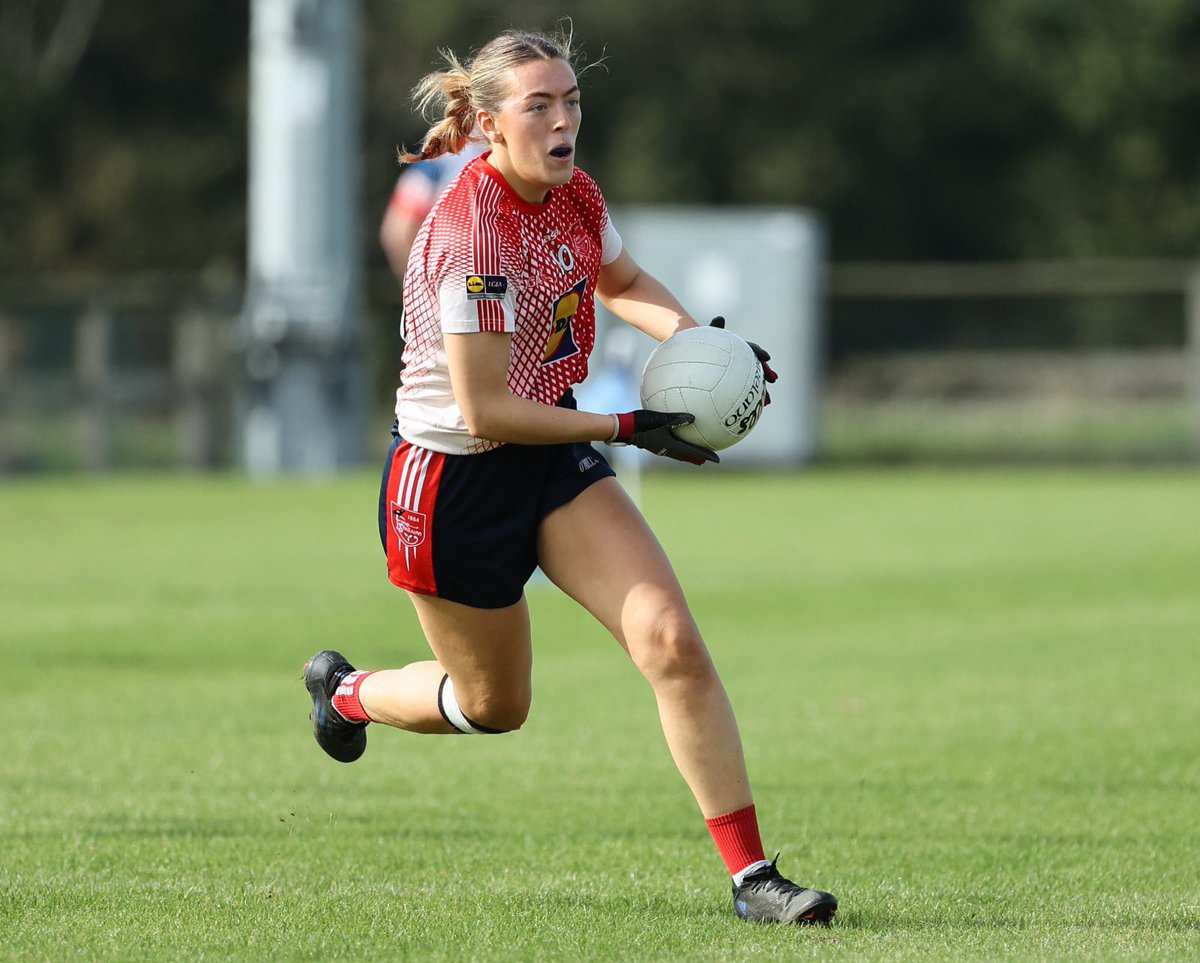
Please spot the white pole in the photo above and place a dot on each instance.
(302, 407)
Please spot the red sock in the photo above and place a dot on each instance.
(345, 699)
(736, 836)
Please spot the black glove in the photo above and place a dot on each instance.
(651, 431)
(769, 374)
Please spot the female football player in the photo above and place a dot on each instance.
(492, 471)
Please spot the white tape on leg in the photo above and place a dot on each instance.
(451, 712)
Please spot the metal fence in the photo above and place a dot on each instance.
(1095, 361)
(101, 372)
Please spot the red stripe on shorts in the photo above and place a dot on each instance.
(412, 496)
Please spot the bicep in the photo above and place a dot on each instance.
(617, 276)
(478, 365)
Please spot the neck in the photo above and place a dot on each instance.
(500, 160)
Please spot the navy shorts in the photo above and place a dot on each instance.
(464, 527)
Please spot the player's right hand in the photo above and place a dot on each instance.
(651, 431)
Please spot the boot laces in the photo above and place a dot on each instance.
(769, 878)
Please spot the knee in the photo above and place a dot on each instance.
(496, 711)
(669, 648)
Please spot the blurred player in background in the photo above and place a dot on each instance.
(417, 188)
(492, 470)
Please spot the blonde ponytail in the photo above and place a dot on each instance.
(448, 93)
(458, 92)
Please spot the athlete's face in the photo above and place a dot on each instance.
(533, 134)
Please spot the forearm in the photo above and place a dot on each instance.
(478, 366)
(508, 418)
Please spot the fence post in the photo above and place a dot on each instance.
(1192, 353)
(195, 362)
(93, 338)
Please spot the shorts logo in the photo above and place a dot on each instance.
(486, 287)
(410, 526)
(561, 343)
(588, 462)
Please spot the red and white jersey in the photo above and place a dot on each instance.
(487, 260)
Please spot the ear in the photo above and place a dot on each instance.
(491, 130)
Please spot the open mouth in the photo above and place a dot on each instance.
(561, 152)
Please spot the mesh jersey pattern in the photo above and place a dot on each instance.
(485, 259)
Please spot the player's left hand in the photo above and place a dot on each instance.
(769, 374)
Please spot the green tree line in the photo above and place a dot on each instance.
(932, 129)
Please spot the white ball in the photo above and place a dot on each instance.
(712, 374)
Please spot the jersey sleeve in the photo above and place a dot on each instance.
(589, 202)
(611, 244)
(478, 292)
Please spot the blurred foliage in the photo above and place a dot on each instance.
(135, 156)
(949, 130)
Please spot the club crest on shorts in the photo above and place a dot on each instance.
(410, 526)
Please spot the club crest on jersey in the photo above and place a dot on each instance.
(486, 287)
(410, 526)
(561, 343)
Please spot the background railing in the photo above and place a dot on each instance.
(1085, 361)
(116, 371)
(1038, 360)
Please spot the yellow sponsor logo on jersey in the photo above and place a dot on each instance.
(474, 284)
(561, 343)
(564, 311)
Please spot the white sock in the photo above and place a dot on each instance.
(739, 876)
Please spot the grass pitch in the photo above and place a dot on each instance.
(970, 701)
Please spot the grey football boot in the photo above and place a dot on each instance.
(767, 897)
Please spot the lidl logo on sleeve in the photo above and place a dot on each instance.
(486, 287)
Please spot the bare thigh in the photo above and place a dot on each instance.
(487, 652)
(600, 550)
